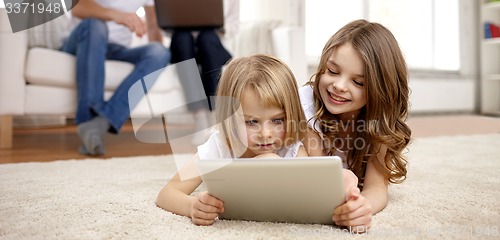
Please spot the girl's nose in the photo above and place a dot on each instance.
(266, 131)
(340, 85)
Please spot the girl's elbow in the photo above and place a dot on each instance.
(161, 199)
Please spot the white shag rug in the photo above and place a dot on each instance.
(452, 191)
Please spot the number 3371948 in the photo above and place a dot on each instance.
(27, 8)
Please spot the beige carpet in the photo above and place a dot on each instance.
(452, 191)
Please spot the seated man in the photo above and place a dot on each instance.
(211, 54)
(103, 30)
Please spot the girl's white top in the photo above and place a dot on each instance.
(307, 101)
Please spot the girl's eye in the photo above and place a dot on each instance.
(278, 120)
(358, 83)
(332, 71)
(251, 122)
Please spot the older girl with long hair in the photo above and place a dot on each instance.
(356, 105)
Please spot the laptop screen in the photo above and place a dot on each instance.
(189, 14)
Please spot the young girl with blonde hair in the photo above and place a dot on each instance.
(356, 105)
(260, 114)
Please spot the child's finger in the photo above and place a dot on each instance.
(208, 208)
(207, 199)
(360, 212)
(205, 215)
(203, 222)
(350, 206)
(356, 222)
(352, 193)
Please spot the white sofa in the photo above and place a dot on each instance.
(41, 82)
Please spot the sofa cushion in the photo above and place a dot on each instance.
(45, 101)
(51, 33)
(50, 67)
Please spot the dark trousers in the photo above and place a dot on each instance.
(210, 55)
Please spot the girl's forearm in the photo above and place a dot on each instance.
(174, 201)
(377, 198)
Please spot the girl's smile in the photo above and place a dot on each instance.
(336, 99)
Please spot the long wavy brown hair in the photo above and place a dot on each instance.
(387, 95)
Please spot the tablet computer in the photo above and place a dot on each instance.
(295, 190)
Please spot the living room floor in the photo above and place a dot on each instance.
(450, 125)
(49, 144)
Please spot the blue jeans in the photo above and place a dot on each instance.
(89, 43)
(209, 53)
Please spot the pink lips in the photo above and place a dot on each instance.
(265, 146)
(336, 99)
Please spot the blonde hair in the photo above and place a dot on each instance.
(387, 94)
(275, 85)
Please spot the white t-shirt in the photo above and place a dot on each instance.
(215, 147)
(306, 95)
(119, 34)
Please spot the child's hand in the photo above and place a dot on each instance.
(205, 208)
(356, 213)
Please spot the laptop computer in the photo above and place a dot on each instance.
(189, 14)
(299, 190)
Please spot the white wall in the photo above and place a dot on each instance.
(288, 12)
(434, 95)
